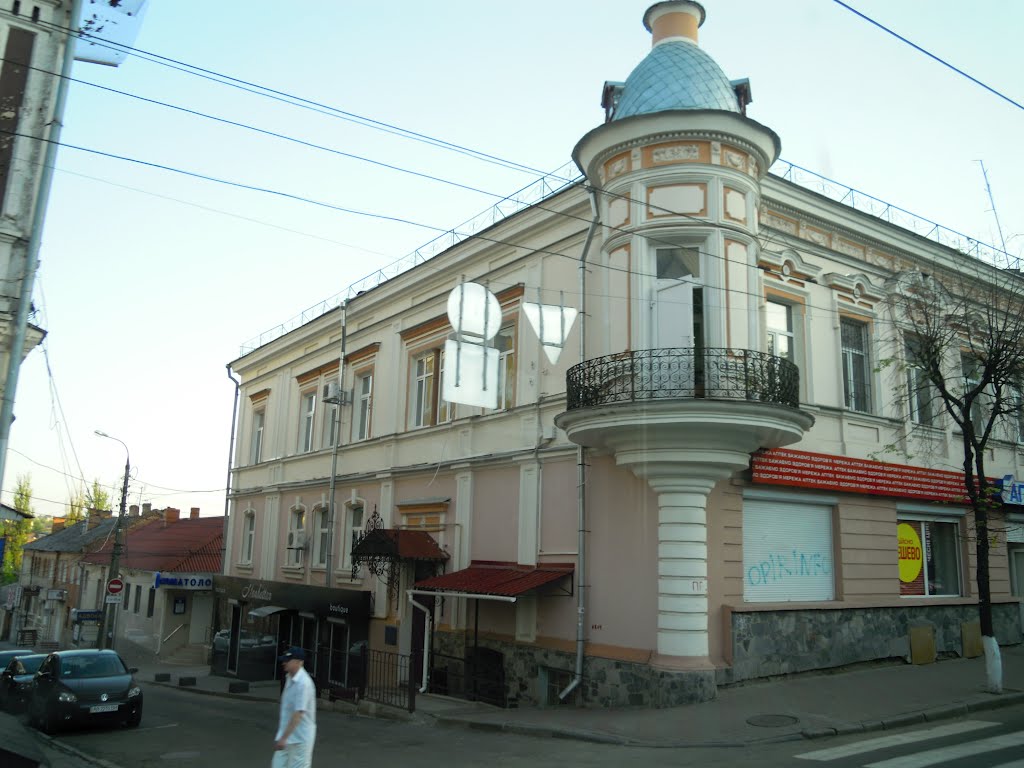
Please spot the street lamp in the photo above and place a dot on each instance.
(115, 556)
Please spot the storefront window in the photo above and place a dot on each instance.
(929, 558)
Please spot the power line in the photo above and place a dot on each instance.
(287, 98)
(929, 54)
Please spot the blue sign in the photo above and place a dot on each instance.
(1011, 492)
(183, 580)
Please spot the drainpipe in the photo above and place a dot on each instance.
(227, 499)
(428, 628)
(581, 509)
(331, 517)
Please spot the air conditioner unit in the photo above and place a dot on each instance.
(296, 539)
(333, 393)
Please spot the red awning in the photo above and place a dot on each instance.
(485, 577)
(399, 544)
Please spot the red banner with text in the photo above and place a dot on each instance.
(782, 466)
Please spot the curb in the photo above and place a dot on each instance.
(67, 749)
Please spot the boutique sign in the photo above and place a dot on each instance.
(1010, 491)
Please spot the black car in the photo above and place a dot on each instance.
(6, 656)
(84, 687)
(16, 681)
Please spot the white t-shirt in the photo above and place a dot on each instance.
(299, 694)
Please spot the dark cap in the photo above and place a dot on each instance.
(293, 653)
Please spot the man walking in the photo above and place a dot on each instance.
(296, 729)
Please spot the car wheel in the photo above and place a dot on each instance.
(134, 719)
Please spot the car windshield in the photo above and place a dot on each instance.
(91, 666)
(28, 665)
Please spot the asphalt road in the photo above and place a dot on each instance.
(188, 730)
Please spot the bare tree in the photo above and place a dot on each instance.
(960, 339)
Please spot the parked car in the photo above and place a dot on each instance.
(16, 681)
(6, 656)
(87, 686)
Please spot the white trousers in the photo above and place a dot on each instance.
(293, 756)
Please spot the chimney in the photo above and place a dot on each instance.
(93, 519)
(674, 20)
(133, 510)
(193, 514)
(171, 515)
(147, 508)
(58, 524)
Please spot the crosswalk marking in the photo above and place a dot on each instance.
(954, 752)
(896, 740)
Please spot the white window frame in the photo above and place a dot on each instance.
(295, 558)
(920, 392)
(856, 392)
(953, 518)
(772, 334)
(332, 427)
(321, 521)
(970, 382)
(307, 420)
(259, 423)
(423, 388)
(362, 424)
(248, 536)
(507, 368)
(351, 529)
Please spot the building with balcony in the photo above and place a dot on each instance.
(691, 495)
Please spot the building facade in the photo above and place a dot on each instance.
(167, 567)
(693, 494)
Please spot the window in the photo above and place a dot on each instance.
(151, 602)
(322, 536)
(929, 557)
(126, 600)
(856, 369)
(504, 342)
(363, 406)
(1016, 428)
(779, 322)
(423, 394)
(296, 536)
(248, 535)
(256, 452)
(920, 392)
(330, 424)
(971, 367)
(138, 598)
(355, 519)
(307, 418)
(675, 262)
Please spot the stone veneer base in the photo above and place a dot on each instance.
(765, 644)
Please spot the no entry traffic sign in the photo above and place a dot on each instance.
(115, 587)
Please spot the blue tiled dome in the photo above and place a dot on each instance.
(676, 75)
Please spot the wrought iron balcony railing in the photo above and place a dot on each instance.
(670, 374)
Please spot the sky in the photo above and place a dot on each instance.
(152, 280)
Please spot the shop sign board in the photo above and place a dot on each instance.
(822, 471)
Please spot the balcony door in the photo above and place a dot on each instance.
(677, 278)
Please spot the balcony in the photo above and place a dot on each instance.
(671, 374)
(682, 420)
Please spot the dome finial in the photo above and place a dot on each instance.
(674, 20)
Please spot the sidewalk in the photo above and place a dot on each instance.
(810, 705)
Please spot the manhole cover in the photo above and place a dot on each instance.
(771, 721)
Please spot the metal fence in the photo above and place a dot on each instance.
(386, 678)
(664, 374)
(476, 677)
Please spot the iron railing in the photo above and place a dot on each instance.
(670, 374)
(471, 678)
(387, 678)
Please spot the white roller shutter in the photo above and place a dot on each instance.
(787, 552)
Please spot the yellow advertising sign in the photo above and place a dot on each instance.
(911, 560)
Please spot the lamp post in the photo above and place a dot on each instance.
(115, 556)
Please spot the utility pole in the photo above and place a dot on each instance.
(339, 401)
(115, 556)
